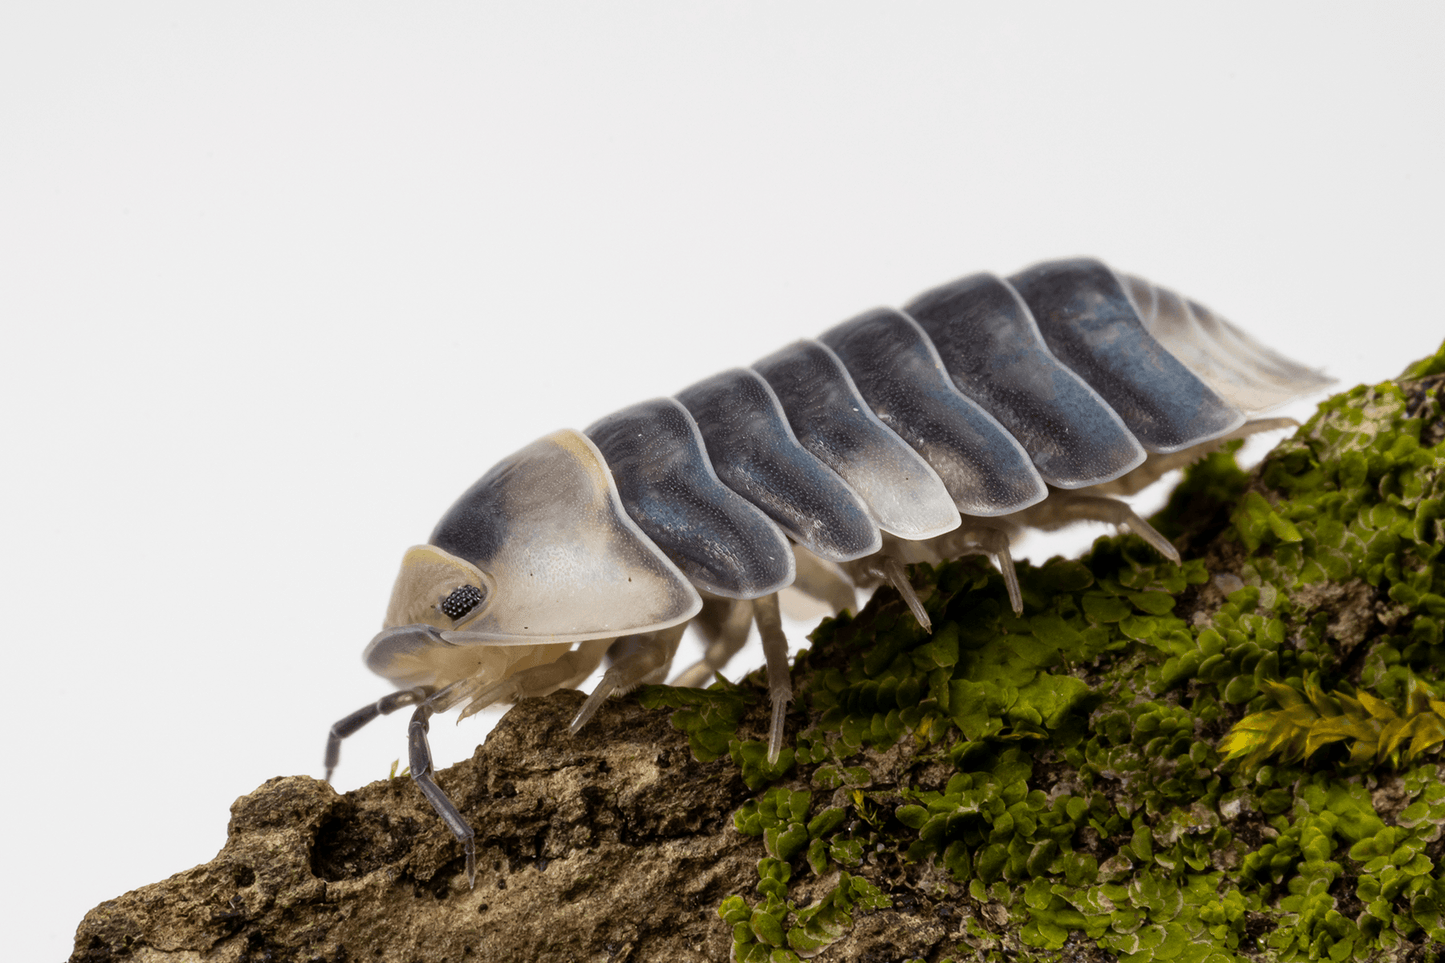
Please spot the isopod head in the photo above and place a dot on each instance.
(538, 552)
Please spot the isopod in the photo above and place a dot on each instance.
(983, 407)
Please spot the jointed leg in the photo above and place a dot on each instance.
(823, 580)
(887, 567)
(570, 668)
(780, 681)
(635, 659)
(419, 757)
(725, 624)
(970, 539)
(386, 705)
(1063, 507)
(983, 539)
(893, 572)
(995, 545)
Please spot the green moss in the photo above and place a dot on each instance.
(1060, 768)
(709, 717)
(1371, 729)
(1211, 487)
(1425, 367)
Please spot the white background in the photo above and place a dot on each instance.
(278, 281)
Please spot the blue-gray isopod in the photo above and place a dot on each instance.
(984, 406)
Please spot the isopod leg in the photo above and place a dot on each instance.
(635, 659)
(823, 580)
(569, 669)
(386, 705)
(780, 681)
(1262, 424)
(419, 756)
(724, 623)
(989, 541)
(995, 544)
(897, 576)
(1125, 517)
(1104, 509)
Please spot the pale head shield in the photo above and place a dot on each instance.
(537, 552)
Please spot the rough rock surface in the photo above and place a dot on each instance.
(610, 845)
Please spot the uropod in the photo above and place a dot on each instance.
(982, 408)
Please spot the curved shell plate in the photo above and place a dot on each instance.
(995, 354)
(757, 455)
(569, 564)
(719, 539)
(901, 376)
(1252, 377)
(831, 420)
(1089, 323)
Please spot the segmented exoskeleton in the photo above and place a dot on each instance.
(985, 406)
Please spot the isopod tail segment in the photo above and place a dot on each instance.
(985, 407)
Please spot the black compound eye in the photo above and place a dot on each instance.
(461, 601)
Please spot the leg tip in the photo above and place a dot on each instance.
(1015, 591)
(775, 732)
(589, 708)
(897, 576)
(1152, 535)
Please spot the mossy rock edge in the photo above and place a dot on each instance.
(1062, 780)
(1051, 786)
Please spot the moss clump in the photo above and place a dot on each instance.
(777, 928)
(709, 717)
(1308, 721)
(1054, 776)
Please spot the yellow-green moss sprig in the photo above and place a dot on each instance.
(1308, 720)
